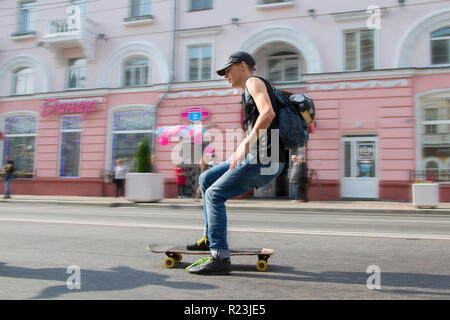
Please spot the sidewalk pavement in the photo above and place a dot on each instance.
(252, 204)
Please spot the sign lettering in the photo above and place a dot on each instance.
(82, 106)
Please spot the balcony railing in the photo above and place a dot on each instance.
(430, 175)
(62, 34)
(61, 26)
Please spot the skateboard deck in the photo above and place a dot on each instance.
(175, 254)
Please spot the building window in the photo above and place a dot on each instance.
(283, 67)
(431, 118)
(70, 146)
(130, 128)
(135, 72)
(200, 60)
(23, 81)
(440, 46)
(359, 50)
(82, 4)
(201, 5)
(139, 8)
(19, 143)
(25, 17)
(435, 138)
(77, 73)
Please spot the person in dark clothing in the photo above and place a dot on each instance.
(302, 180)
(8, 169)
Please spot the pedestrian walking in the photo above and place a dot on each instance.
(203, 167)
(8, 170)
(302, 189)
(294, 177)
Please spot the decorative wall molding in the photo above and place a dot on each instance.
(407, 46)
(206, 93)
(359, 85)
(295, 37)
(197, 32)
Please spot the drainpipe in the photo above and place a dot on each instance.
(172, 67)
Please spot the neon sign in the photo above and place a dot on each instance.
(72, 106)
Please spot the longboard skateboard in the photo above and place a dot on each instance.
(175, 254)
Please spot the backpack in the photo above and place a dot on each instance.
(305, 106)
(292, 125)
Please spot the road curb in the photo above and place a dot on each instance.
(232, 207)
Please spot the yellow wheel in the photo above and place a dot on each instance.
(178, 258)
(169, 262)
(261, 265)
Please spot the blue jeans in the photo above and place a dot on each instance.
(7, 185)
(219, 184)
(295, 189)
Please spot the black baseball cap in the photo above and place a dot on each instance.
(235, 58)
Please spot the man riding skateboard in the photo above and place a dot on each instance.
(258, 159)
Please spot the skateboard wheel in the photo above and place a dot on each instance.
(261, 265)
(178, 258)
(169, 262)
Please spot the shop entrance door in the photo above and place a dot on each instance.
(360, 167)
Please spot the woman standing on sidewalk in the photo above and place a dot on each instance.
(120, 172)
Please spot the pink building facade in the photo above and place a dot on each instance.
(83, 82)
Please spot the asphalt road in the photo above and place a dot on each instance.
(45, 250)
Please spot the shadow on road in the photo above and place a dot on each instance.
(397, 282)
(113, 279)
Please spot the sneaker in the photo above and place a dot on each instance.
(210, 266)
(200, 245)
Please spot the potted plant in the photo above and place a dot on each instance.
(143, 185)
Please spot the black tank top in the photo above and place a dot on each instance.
(250, 111)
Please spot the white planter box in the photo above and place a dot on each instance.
(425, 194)
(144, 187)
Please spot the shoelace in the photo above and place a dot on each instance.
(201, 261)
(204, 239)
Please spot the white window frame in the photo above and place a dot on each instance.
(74, 68)
(203, 7)
(358, 28)
(82, 4)
(188, 59)
(283, 70)
(61, 132)
(142, 7)
(144, 82)
(29, 8)
(431, 48)
(24, 75)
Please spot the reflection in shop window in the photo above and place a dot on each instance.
(130, 128)
(70, 146)
(435, 137)
(19, 144)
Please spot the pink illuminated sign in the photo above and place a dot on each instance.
(71, 106)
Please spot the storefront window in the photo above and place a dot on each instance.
(70, 146)
(130, 128)
(435, 139)
(19, 144)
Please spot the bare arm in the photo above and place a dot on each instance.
(258, 91)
